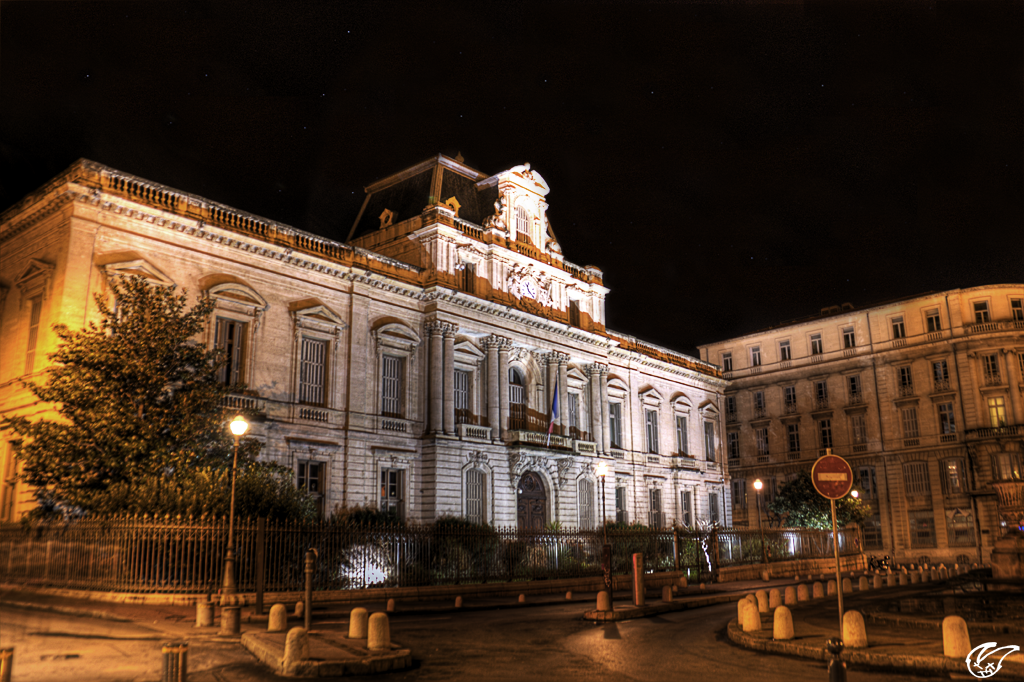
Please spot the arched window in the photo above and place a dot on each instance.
(516, 399)
(522, 225)
(585, 503)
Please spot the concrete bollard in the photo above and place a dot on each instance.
(296, 648)
(774, 598)
(175, 663)
(391, 606)
(762, 601)
(458, 600)
(278, 620)
(604, 601)
(766, 575)
(790, 595)
(300, 609)
(862, 584)
(666, 593)
(890, 580)
(876, 582)
(783, 626)
(831, 589)
(854, 634)
(802, 592)
(701, 587)
(357, 623)
(903, 570)
(683, 582)
(740, 605)
(817, 591)
(847, 585)
(568, 596)
(956, 641)
(230, 620)
(752, 599)
(204, 614)
(522, 599)
(379, 635)
(903, 579)
(750, 618)
(915, 577)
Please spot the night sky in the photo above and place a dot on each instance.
(728, 166)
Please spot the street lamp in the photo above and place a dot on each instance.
(606, 551)
(764, 550)
(854, 494)
(238, 428)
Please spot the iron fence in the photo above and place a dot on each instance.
(177, 555)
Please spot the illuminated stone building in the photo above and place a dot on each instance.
(922, 396)
(411, 368)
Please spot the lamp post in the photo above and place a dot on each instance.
(764, 550)
(238, 428)
(606, 550)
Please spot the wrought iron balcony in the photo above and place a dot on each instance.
(993, 379)
(821, 402)
(856, 398)
(790, 408)
(760, 413)
(906, 390)
(941, 385)
(995, 432)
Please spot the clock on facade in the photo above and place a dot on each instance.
(529, 288)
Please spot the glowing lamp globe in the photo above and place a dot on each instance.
(854, 494)
(239, 426)
(602, 469)
(758, 484)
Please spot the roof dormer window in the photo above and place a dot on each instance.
(522, 225)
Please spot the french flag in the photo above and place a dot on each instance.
(554, 411)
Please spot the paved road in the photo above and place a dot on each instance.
(540, 643)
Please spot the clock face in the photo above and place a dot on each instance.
(529, 288)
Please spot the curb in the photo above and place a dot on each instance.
(66, 610)
(631, 612)
(900, 620)
(396, 659)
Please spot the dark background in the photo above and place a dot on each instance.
(728, 166)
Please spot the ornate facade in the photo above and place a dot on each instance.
(922, 396)
(413, 368)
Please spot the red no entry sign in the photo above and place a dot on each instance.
(832, 477)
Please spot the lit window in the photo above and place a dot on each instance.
(955, 481)
(997, 412)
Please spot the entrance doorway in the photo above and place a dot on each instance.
(532, 502)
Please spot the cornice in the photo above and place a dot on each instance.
(55, 204)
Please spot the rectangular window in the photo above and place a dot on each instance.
(755, 356)
(1017, 309)
(932, 321)
(8, 481)
(947, 421)
(789, 393)
(730, 405)
(954, 479)
(872, 529)
(33, 333)
(849, 338)
(469, 278)
(651, 419)
(686, 507)
(940, 374)
(230, 339)
(713, 511)
(311, 479)
(739, 494)
(585, 503)
(615, 424)
(758, 404)
(866, 482)
(821, 394)
(990, 367)
(462, 411)
(898, 330)
(761, 436)
(825, 434)
(922, 528)
(621, 516)
(859, 429)
(726, 362)
(785, 351)
(997, 412)
(915, 477)
(312, 371)
(709, 441)
(654, 518)
(906, 377)
(391, 386)
(793, 438)
(574, 313)
(816, 347)
(733, 443)
(392, 494)
(682, 436)
(981, 312)
(769, 490)
(476, 497)
(960, 528)
(909, 418)
(574, 415)
(853, 384)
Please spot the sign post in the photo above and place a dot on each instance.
(832, 477)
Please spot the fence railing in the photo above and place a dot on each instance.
(141, 554)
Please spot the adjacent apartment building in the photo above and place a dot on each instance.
(921, 395)
(414, 367)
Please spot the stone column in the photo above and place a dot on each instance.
(493, 389)
(563, 392)
(434, 329)
(603, 401)
(503, 387)
(449, 378)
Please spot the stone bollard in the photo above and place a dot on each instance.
(790, 595)
(766, 575)
(783, 626)
(740, 605)
(296, 648)
(300, 609)
(752, 599)
(357, 623)
(890, 580)
(568, 596)
(854, 634)
(604, 601)
(831, 589)
(802, 592)
(666, 593)
(774, 598)
(750, 617)
(847, 585)
(903, 578)
(956, 641)
(862, 584)
(391, 606)
(683, 582)
(278, 620)
(762, 601)
(230, 620)
(379, 635)
(458, 600)
(522, 599)
(903, 570)
(876, 582)
(915, 577)
(701, 587)
(817, 591)
(204, 614)
(175, 663)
